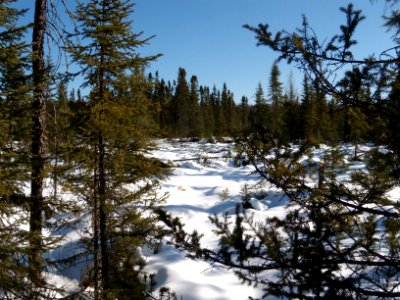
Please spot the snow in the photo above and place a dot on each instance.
(197, 190)
(204, 182)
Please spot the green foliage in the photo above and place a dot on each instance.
(14, 163)
(181, 106)
(116, 179)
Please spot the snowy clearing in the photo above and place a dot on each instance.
(204, 182)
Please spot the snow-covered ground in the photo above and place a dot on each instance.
(200, 187)
(204, 182)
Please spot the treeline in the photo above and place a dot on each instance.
(288, 114)
(284, 112)
(187, 109)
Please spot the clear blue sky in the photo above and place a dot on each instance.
(206, 37)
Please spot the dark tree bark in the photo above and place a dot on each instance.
(38, 140)
(102, 180)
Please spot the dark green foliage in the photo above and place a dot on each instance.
(195, 124)
(244, 112)
(116, 176)
(275, 97)
(207, 112)
(14, 163)
(260, 111)
(181, 106)
(292, 115)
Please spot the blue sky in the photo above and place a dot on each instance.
(207, 39)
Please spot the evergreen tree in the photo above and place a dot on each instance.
(215, 101)
(260, 119)
(306, 109)
(259, 116)
(393, 106)
(180, 106)
(38, 162)
(291, 115)
(207, 112)
(164, 96)
(14, 141)
(275, 95)
(116, 175)
(194, 109)
(244, 112)
(228, 111)
(314, 113)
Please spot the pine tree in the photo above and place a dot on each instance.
(117, 175)
(194, 109)
(275, 95)
(394, 114)
(38, 162)
(229, 112)
(291, 114)
(207, 112)
(260, 113)
(215, 101)
(260, 119)
(14, 141)
(244, 111)
(180, 105)
(164, 96)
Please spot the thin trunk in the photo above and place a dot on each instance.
(96, 261)
(356, 150)
(103, 217)
(38, 141)
(102, 180)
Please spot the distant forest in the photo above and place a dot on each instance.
(187, 109)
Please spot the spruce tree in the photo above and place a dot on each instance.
(180, 105)
(292, 114)
(275, 95)
(226, 111)
(38, 143)
(215, 108)
(207, 112)
(195, 125)
(393, 115)
(14, 141)
(244, 111)
(164, 96)
(228, 107)
(116, 175)
(259, 117)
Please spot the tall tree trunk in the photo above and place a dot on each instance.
(95, 221)
(102, 180)
(103, 217)
(38, 141)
